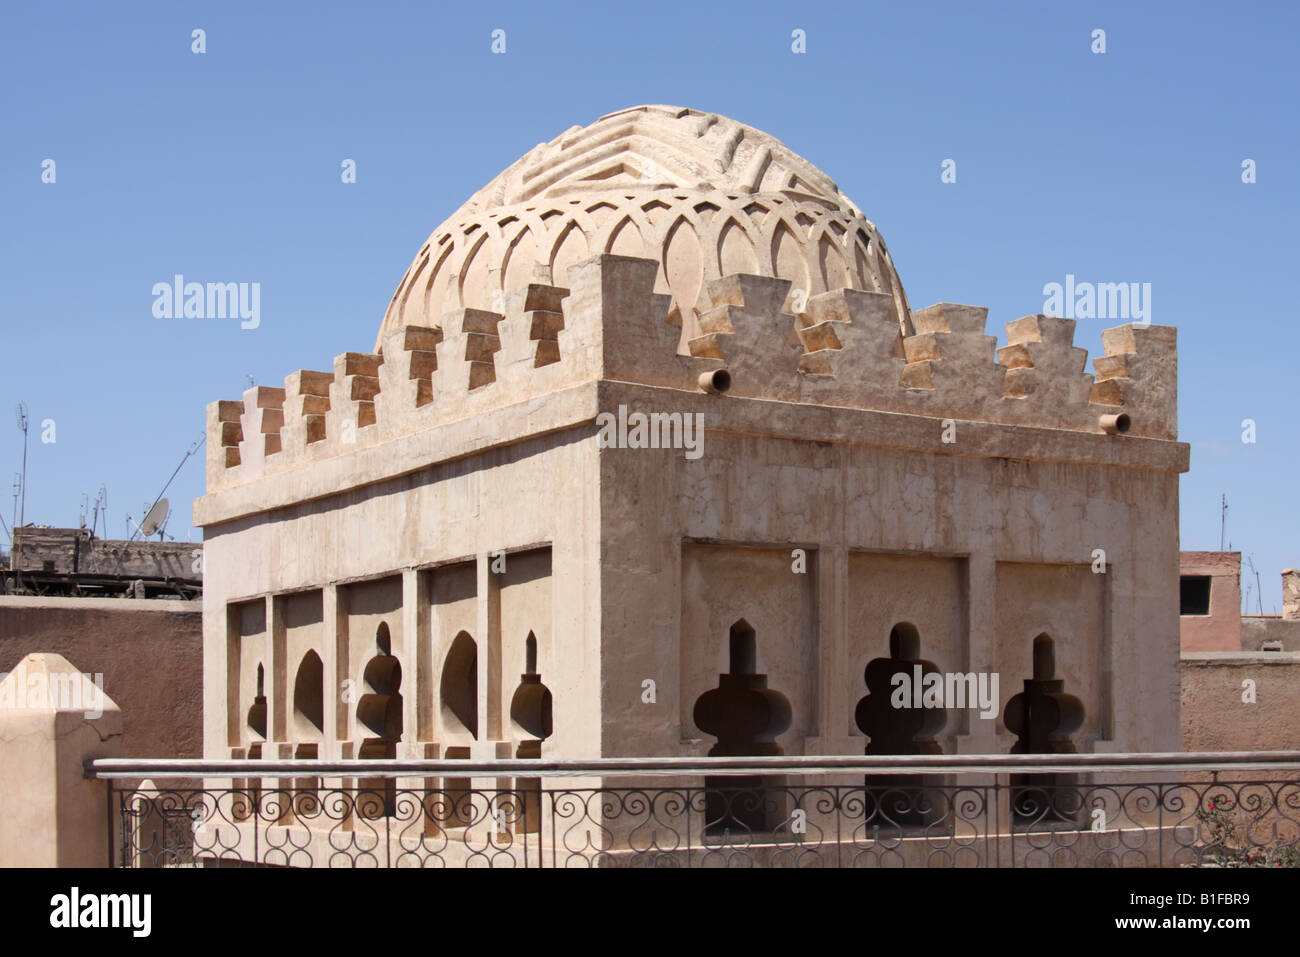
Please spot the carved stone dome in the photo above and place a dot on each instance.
(701, 194)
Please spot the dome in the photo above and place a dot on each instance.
(701, 194)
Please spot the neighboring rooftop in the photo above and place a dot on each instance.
(73, 562)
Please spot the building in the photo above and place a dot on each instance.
(1240, 673)
(652, 456)
(73, 562)
(126, 614)
(1209, 601)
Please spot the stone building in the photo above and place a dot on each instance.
(652, 456)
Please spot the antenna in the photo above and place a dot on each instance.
(192, 449)
(18, 485)
(85, 504)
(1259, 591)
(1223, 521)
(22, 489)
(101, 502)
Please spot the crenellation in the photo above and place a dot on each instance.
(865, 368)
(610, 324)
(617, 327)
(1140, 372)
(353, 392)
(224, 433)
(749, 330)
(1046, 382)
(530, 330)
(261, 422)
(470, 341)
(406, 377)
(952, 358)
(307, 403)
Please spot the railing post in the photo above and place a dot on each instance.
(111, 832)
(1160, 827)
(997, 825)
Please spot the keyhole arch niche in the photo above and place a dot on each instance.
(1044, 718)
(530, 706)
(379, 710)
(256, 718)
(889, 715)
(746, 717)
(379, 720)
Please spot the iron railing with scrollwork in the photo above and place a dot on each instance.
(1221, 810)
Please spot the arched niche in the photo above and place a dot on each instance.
(459, 685)
(257, 711)
(743, 713)
(898, 718)
(379, 711)
(530, 706)
(745, 716)
(1044, 717)
(309, 698)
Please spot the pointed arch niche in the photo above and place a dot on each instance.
(458, 689)
(246, 641)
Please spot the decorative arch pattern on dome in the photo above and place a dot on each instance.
(702, 195)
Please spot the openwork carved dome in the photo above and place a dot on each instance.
(701, 194)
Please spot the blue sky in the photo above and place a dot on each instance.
(1115, 167)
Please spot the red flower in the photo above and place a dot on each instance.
(1211, 805)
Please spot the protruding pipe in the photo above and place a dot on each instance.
(1115, 424)
(716, 382)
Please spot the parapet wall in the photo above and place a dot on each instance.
(1239, 701)
(150, 654)
(845, 349)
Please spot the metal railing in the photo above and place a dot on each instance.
(1231, 809)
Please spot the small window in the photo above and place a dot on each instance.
(1194, 595)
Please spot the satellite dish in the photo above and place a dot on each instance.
(153, 521)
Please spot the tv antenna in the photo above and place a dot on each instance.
(20, 490)
(160, 500)
(101, 504)
(1223, 520)
(18, 485)
(1259, 591)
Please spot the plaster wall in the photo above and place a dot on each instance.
(1019, 536)
(149, 652)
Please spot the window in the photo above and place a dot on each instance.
(1194, 595)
